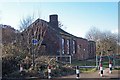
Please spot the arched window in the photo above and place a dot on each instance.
(63, 42)
(68, 46)
(73, 46)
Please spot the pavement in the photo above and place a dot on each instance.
(83, 76)
(106, 74)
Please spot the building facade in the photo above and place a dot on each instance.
(58, 42)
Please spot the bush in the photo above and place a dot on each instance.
(62, 71)
(12, 56)
(9, 65)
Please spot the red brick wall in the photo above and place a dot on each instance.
(81, 49)
(52, 42)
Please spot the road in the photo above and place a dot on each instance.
(106, 74)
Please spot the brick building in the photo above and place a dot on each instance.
(58, 42)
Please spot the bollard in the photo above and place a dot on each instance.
(77, 72)
(101, 70)
(49, 72)
(100, 62)
(21, 68)
(110, 67)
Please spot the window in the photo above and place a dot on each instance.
(63, 41)
(68, 45)
(78, 46)
(73, 47)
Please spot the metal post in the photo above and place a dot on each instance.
(33, 54)
(70, 60)
(96, 62)
(113, 60)
(34, 42)
(33, 63)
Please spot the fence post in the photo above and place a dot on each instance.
(77, 72)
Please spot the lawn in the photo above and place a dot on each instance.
(117, 68)
(83, 63)
(87, 70)
(92, 62)
(106, 62)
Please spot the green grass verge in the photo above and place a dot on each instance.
(116, 68)
(83, 63)
(106, 64)
(92, 63)
(87, 70)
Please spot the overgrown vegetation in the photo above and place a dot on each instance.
(11, 65)
(18, 49)
(106, 42)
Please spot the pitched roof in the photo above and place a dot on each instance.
(57, 30)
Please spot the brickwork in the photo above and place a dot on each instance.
(78, 48)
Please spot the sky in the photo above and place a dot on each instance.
(77, 17)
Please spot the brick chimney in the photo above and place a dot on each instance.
(53, 20)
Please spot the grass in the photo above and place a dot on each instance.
(92, 62)
(83, 63)
(87, 70)
(116, 68)
(105, 64)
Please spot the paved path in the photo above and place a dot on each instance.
(115, 74)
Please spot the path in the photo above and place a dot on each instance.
(115, 74)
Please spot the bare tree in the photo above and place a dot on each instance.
(60, 25)
(36, 31)
(25, 22)
(105, 41)
(109, 42)
(93, 34)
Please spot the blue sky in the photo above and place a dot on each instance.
(77, 17)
